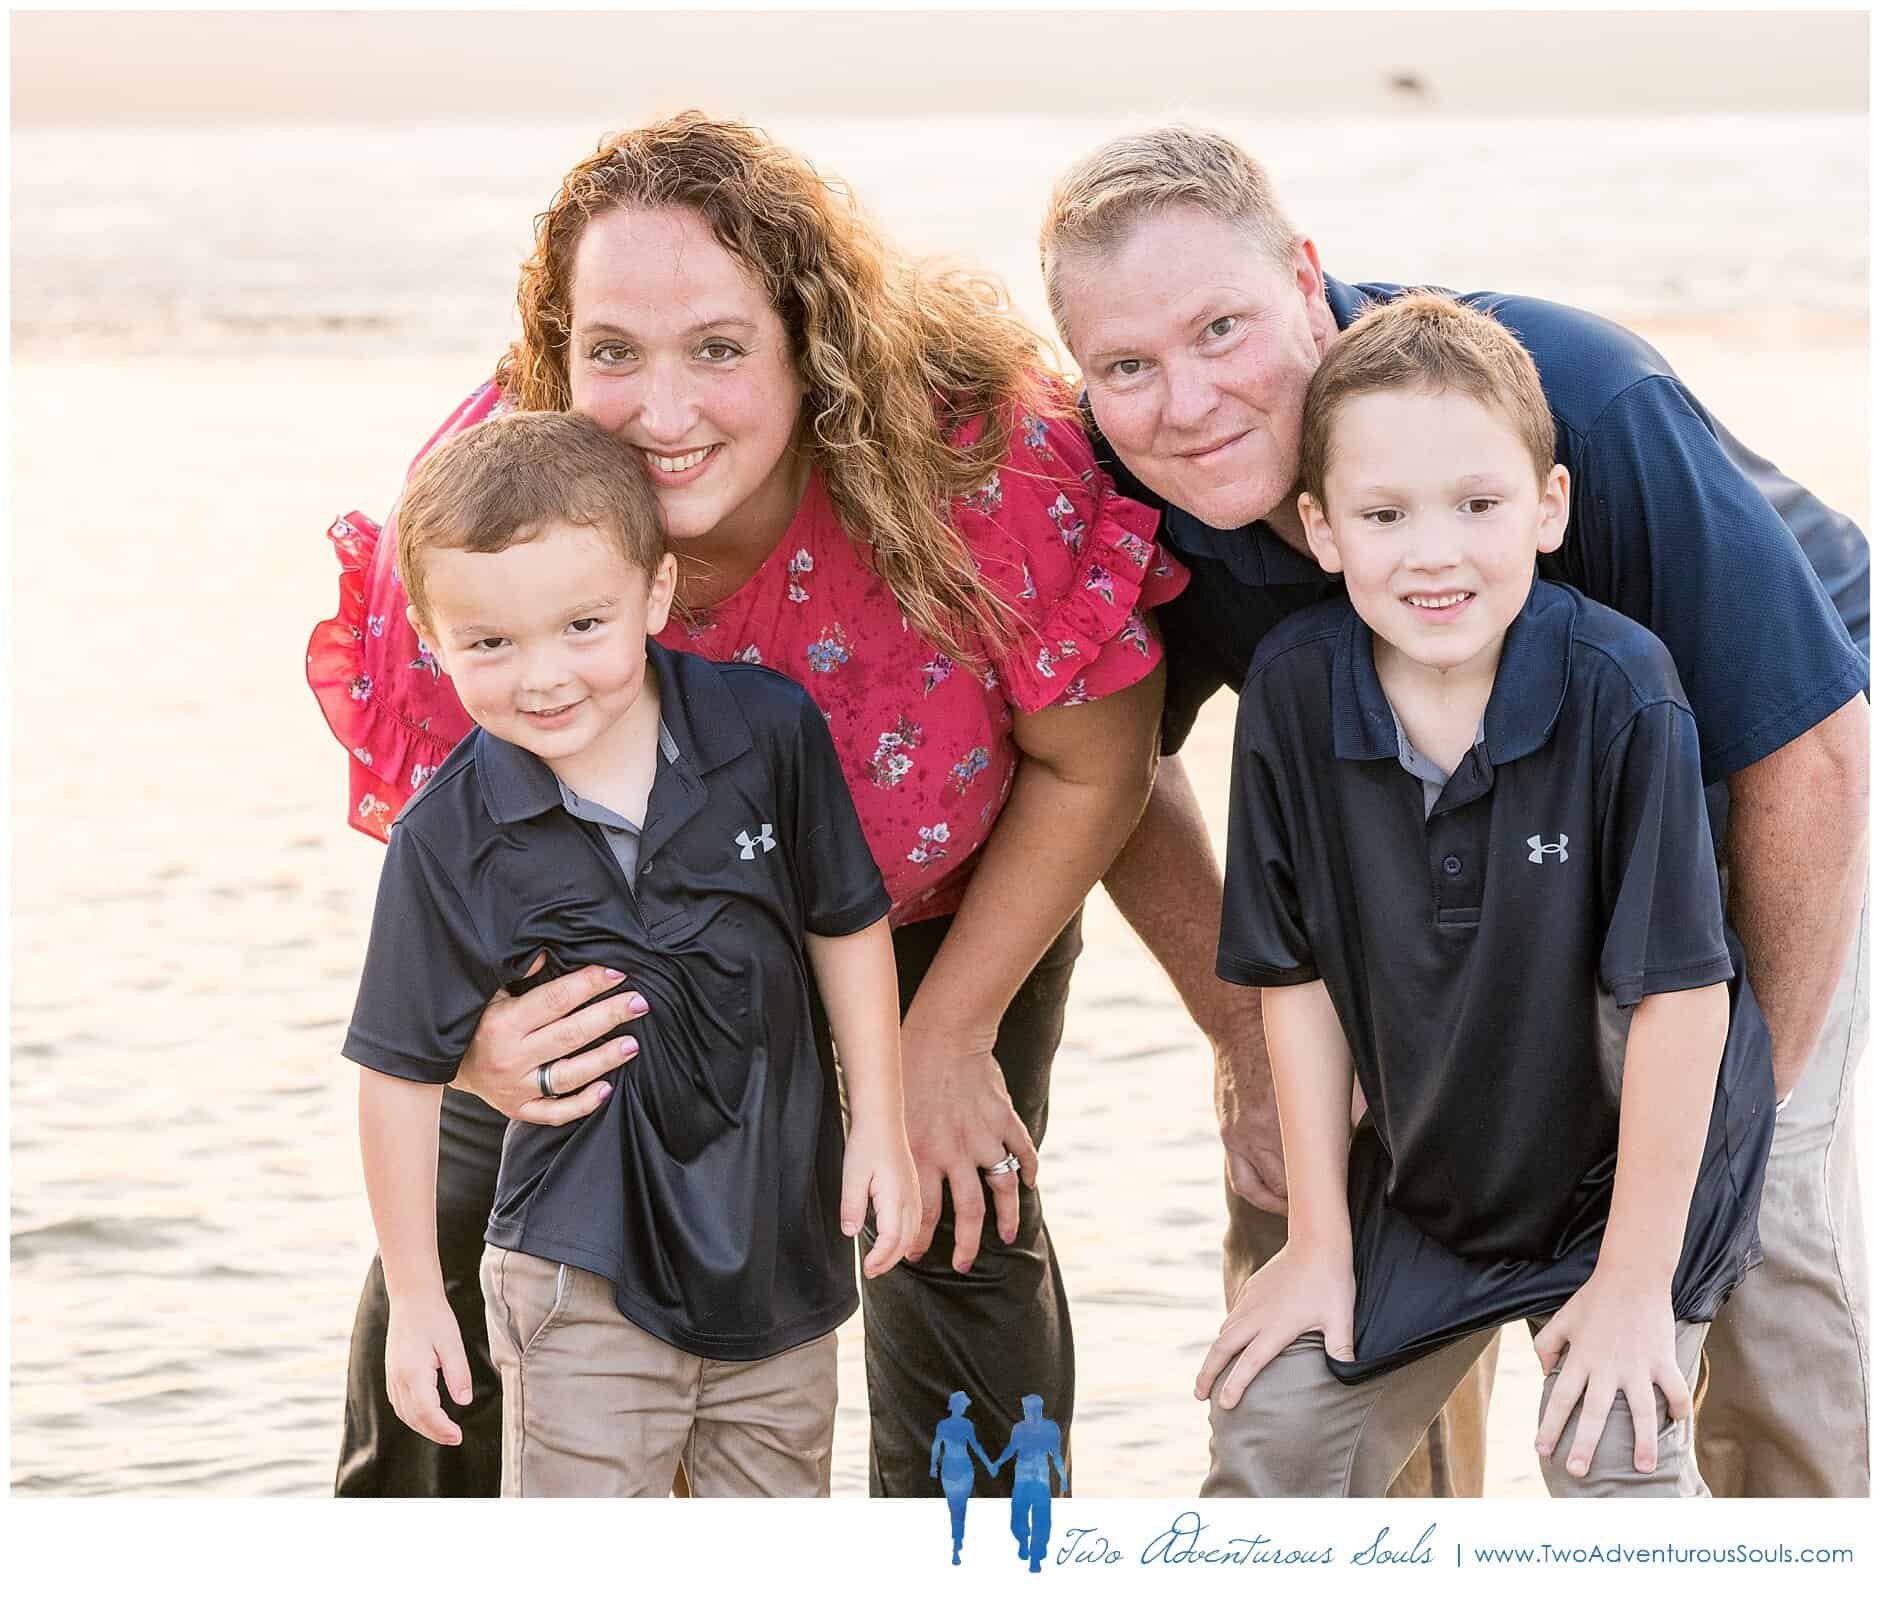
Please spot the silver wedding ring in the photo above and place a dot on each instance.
(542, 1083)
(1009, 1164)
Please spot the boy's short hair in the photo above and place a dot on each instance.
(1425, 341)
(504, 481)
(1104, 196)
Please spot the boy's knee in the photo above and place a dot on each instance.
(1274, 1442)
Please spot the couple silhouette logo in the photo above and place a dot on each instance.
(1035, 1443)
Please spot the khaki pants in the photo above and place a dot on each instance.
(1787, 1391)
(1451, 1459)
(595, 1406)
(1299, 1432)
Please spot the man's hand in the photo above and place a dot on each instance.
(545, 1028)
(959, 1121)
(422, 1341)
(1299, 1290)
(1249, 1118)
(1619, 1338)
(877, 1166)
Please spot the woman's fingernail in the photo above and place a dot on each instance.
(626, 1047)
(612, 975)
(636, 1006)
(1009, 1235)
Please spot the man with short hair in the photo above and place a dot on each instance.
(1198, 316)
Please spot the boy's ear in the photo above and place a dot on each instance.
(1556, 501)
(1319, 534)
(416, 621)
(659, 593)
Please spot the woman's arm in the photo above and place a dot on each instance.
(1083, 775)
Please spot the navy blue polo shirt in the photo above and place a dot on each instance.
(1483, 961)
(707, 1186)
(1758, 589)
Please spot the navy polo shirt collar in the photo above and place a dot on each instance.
(696, 709)
(1530, 684)
(1344, 302)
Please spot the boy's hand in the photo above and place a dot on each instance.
(1619, 1337)
(1299, 1290)
(877, 1166)
(421, 1342)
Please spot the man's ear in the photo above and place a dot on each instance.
(1309, 279)
(1319, 534)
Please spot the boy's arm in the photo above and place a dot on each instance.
(1618, 1332)
(856, 977)
(1309, 1285)
(398, 1144)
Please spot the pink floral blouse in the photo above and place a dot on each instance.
(926, 743)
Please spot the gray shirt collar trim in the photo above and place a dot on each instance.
(1433, 777)
(587, 810)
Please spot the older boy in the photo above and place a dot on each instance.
(1469, 856)
(664, 1277)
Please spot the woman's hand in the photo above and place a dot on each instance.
(960, 1121)
(545, 1028)
(1299, 1290)
(1619, 1338)
(422, 1341)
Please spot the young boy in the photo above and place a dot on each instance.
(1468, 856)
(664, 1276)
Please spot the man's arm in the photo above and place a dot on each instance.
(1797, 853)
(1674, 533)
(1167, 885)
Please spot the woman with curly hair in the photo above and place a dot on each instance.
(877, 488)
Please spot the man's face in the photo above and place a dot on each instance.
(1196, 348)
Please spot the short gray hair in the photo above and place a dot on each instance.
(1133, 176)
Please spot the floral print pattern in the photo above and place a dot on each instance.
(893, 753)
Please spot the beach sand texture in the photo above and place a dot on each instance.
(227, 332)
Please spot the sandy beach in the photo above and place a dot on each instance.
(252, 335)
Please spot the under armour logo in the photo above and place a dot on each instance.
(1538, 849)
(750, 845)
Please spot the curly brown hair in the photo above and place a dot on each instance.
(898, 362)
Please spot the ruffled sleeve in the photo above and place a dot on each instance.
(382, 693)
(1077, 562)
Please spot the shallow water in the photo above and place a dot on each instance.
(214, 361)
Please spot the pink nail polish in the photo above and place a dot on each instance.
(613, 976)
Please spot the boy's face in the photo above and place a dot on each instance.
(546, 641)
(1433, 517)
